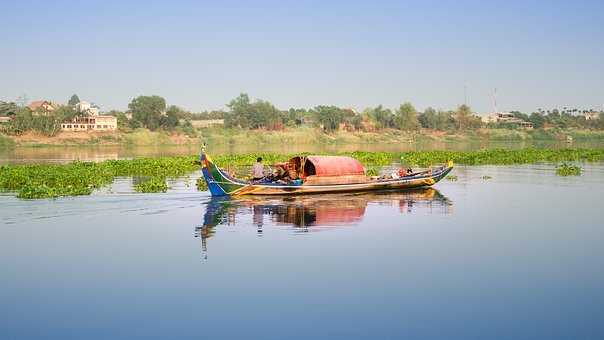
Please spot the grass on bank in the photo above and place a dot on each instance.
(6, 142)
(82, 178)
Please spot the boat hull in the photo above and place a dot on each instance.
(221, 184)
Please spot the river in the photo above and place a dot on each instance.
(63, 154)
(506, 252)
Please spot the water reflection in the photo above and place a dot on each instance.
(312, 213)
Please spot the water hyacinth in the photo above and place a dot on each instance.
(82, 178)
(568, 170)
(154, 184)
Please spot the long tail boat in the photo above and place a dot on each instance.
(317, 175)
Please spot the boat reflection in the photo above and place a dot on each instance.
(312, 213)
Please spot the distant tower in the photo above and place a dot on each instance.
(465, 94)
(495, 100)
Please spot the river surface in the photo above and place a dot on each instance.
(516, 256)
(64, 154)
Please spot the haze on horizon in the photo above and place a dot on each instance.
(200, 55)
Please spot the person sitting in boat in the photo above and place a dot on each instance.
(258, 170)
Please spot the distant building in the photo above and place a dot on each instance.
(506, 118)
(207, 123)
(42, 105)
(91, 123)
(591, 115)
(87, 108)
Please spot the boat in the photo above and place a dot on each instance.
(318, 175)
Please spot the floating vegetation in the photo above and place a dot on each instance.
(154, 184)
(486, 177)
(502, 157)
(568, 170)
(82, 178)
(452, 178)
(428, 158)
(372, 172)
(201, 184)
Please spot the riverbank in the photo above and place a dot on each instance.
(82, 178)
(295, 136)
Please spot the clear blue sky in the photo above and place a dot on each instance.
(199, 55)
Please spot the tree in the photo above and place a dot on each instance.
(520, 115)
(259, 114)
(329, 116)
(295, 117)
(429, 118)
(48, 123)
(74, 100)
(381, 117)
(406, 117)
(537, 119)
(463, 116)
(147, 111)
(239, 109)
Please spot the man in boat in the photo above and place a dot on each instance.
(258, 170)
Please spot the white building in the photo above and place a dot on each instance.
(87, 108)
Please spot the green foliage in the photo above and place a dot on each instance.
(8, 109)
(154, 184)
(46, 123)
(74, 100)
(499, 156)
(81, 178)
(295, 117)
(537, 119)
(244, 113)
(329, 116)
(372, 172)
(566, 169)
(201, 184)
(170, 120)
(406, 117)
(147, 111)
(381, 117)
(436, 120)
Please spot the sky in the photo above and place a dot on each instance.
(355, 54)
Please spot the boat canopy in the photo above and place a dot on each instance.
(328, 165)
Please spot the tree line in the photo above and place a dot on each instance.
(260, 114)
(152, 112)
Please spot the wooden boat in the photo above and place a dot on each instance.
(318, 174)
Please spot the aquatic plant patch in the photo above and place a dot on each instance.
(568, 170)
(82, 178)
(154, 184)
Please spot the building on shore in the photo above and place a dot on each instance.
(42, 106)
(506, 118)
(207, 123)
(91, 123)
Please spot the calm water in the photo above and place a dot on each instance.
(518, 256)
(62, 154)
